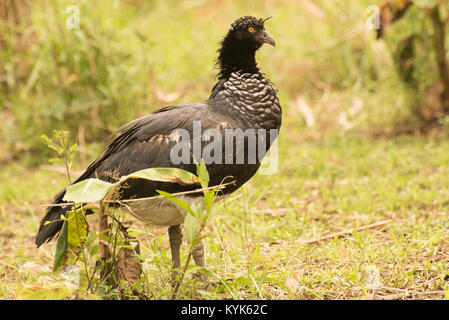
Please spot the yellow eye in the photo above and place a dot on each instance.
(251, 29)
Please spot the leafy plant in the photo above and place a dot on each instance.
(117, 256)
(59, 143)
(71, 239)
(196, 219)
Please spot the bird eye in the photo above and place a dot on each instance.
(251, 29)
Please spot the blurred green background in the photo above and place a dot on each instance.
(129, 58)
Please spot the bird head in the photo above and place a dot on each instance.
(250, 30)
(238, 47)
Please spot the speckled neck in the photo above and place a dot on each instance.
(253, 96)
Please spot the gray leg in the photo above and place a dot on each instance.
(198, 254)
(175, 238)
(198, 257)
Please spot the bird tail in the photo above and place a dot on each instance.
(51, 223)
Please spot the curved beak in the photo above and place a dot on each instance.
(266, 38)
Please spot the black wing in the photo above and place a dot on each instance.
(140, 145)
(145, 143)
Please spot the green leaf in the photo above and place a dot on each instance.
(61, 246)
(190, 227)
(179, 202)
(203, 174)
(209, 199)
(76, 235)
(174, 175)
(72, 147)
(71, 239)
(89, 190)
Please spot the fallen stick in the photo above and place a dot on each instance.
(71, 203)
(281, 212)
(348, 232)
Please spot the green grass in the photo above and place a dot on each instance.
(259, 239)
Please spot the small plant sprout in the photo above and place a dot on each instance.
(59, 143)
(118, 250)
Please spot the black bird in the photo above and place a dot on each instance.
(243, 98)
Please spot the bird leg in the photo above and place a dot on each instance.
(198, 254)
(198, 257)
(175, 238)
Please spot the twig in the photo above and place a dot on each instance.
(350, 231)
(281, 212)
(183, 273)
(104, 239)
(103, 233)
(89, 279)
(394, 296)
(393, 289)
(69, 203)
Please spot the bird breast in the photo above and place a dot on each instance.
(161, 211)
(253, 96)
(164, 212)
